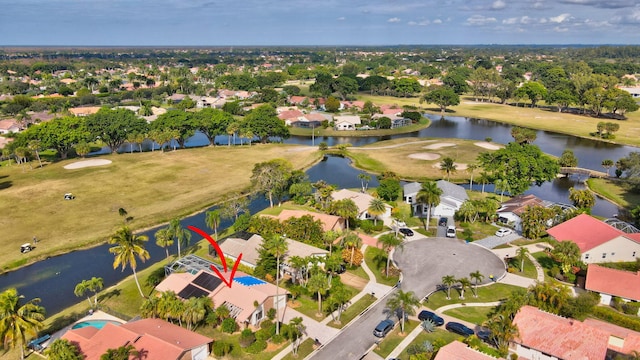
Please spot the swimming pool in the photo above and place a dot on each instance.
(99, 324)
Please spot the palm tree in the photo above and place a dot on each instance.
(568, 253)
(503, 186)
(503, 330)
(352, 241)
(405, 303)
(338, 298)
(63, 349)
(318, 284)
(389, 242)
(448, 281)
(364, 181)
(212, 220)
(297, 263)
(521, 254)
(477, 277)
(81, 289)
(483, 179)
(149, 307)
(164, 240)
(607, 164)
(19, 321)
(277, 246)
(376, 208)
(345, 208)
(122, 353)
(195, 310)
(180, 234)
(128, 247)
(95, 284)
(429, 195)
(471, 168)
(298, 329)
(468, 211)
(329, 237)
(464, 283)
(448, 166)
(34, 145)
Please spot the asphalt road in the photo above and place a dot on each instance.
(423, 263)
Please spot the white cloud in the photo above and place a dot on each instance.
(341, 18)
(603, 4)
(419, 23)
(510, 21)
(632, 17)
(480, 20)
(560, 18)
(437, 21)
(560, 29)
(498, 5)
(394, 20)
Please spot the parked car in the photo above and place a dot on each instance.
(383, 328)
(428, 315)
(485, 335)
(503, 232)
(451, 231)
(459, 329)
(399, 223)
(406, 231)
(443, 221)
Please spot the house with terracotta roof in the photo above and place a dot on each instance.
(510, 210)
(329, 222)
(248, 298)
(9, 126)
(457, 350)
(289, 116)
(543, 335)
(155, 338)
(598, 241)
(613, 282)
(621, 340)
(312, 120)
(362, 201)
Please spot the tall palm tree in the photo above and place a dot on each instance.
(521, 253)
(448, 166)
(503, 186)
(345, 208)
(128, 247)
(376, 208)
(181, 235)
(607, 164)
(81, 289)
(18, 322)
(471, 168)
(277, 246)
(212, 220)
(95, 284)
(405, 303)
(448, 281)
(164, 240)
(149, 307)
(34, 145)
(318, 284)
(329, 237)
(429, 194)
(483, 179)
(364, 181)
(195, 310)
(389, 242)
(477, 277)
(464, 284)
(503, 330)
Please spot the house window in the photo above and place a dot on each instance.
(604, 255)
(586, 256)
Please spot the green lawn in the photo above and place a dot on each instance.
(304, 349)
(617, 191)
(489, 293)
(358, 271)
(478, 230)
(394, 338)
(546, 262)
(473, 314)
(353, 310)
(376, 260)
(529, 268)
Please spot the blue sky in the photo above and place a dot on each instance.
(318, 22)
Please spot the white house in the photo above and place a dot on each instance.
(510, 211)
(346, 122)
(362, 201)
(452, 197)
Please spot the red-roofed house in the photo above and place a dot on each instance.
(9, 126)
(612, 282)
(546, 336)
(154, 338)
(329, 222)
(598, 241)
(621, 340)
(460, 351)
(289, 116)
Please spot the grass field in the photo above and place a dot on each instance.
(618, 192)
(489, 293)
(473, 314)
(153, 187)
(394, 155)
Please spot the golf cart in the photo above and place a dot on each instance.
(25, 248)
(69, 196)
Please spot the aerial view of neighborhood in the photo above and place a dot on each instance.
(382, 180)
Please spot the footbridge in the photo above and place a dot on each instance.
(583, 172)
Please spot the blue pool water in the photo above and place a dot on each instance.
(99, 324)
(249, 280)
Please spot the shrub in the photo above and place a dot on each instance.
(256, 347)
(357, 256)
(271, 314)
(263, 335)
(323, 146)
(247, 337)
(221, 348)
(612, 316)
(229, 325)
(631, 308)
(278, 339)
(265, 324)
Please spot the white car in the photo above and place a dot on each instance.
(503, 232)
(451, 231)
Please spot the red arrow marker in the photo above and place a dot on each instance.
(220, 255)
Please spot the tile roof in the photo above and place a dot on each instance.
(586, 231)
(630, 339)
(290, 114)
(560, 337)
(168, 333)
(518, 204)
(460, 351)
(329, 222)
(362, 200)
(248, 248)
(351, 119)
(624, 284)
(412, 188)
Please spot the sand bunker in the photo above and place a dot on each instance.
(424, 156)
(459, 166)
(487, 145)
(87, 163)
(438, 146)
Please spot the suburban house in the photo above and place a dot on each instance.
(329, 222)
(598, 241)
(209, 102)
(155, 338)
(9, 126)
(362, 201)
(248, 298)
(346, 122)
(248, 244)
(457, 350)
(545, 336)
(84, 111)
(289, 116)
(312, 120)
(452, 197)
(510, 210)
(303, 100)
(613, 282)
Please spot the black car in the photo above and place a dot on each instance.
(383, 328)
(428, 315)
(406, 231)
(459, 329)
(443, 221)
(485, 335)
